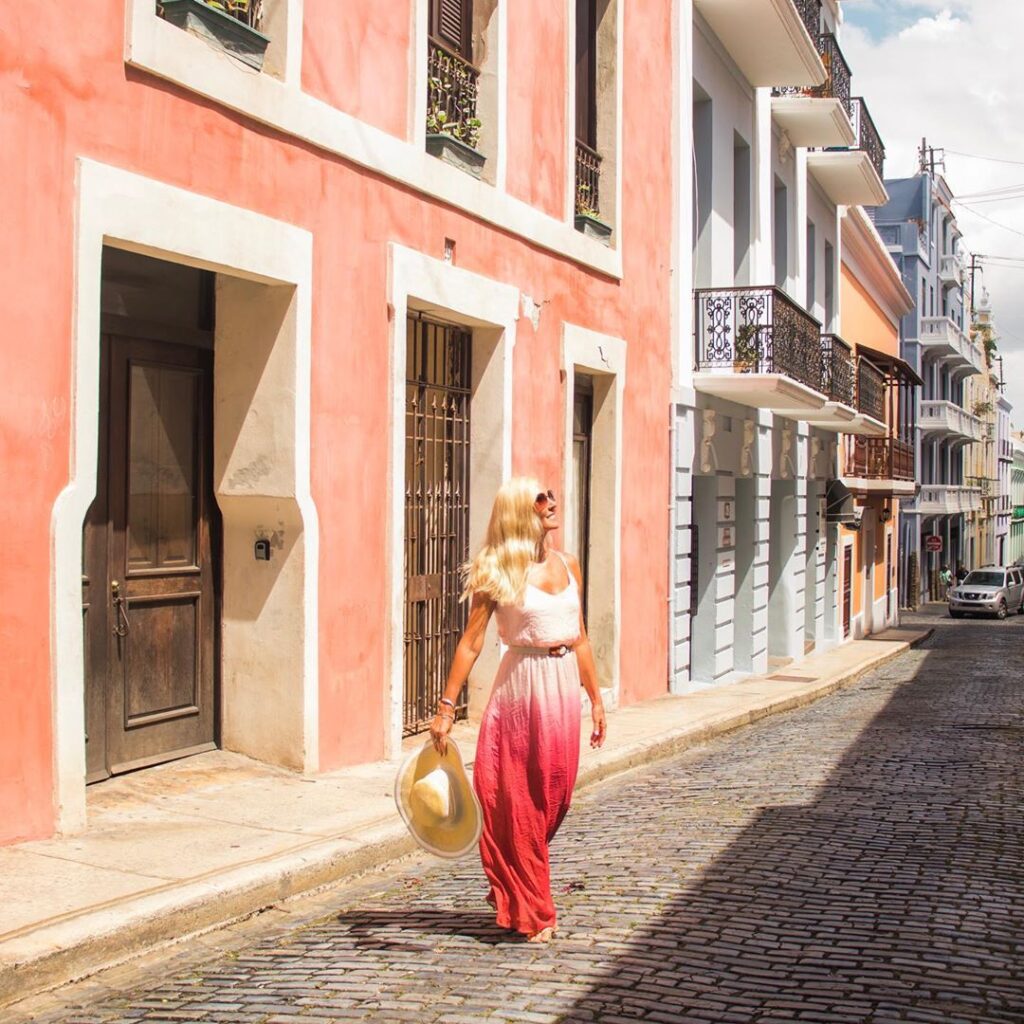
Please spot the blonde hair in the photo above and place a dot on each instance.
(514, 539)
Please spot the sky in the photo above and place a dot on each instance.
(951, 73)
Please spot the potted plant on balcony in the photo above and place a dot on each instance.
(453, 129)
(229, 25)
(744, 352)
(587, 219)
(454, 142)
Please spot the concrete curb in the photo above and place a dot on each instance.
(69, 949)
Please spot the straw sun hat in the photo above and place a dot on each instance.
(437, 802)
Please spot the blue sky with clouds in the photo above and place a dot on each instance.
(881, 18)
(950, 70)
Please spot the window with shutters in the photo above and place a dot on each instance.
(596, 115)
(456, 108)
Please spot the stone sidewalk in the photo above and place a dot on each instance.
(186, 847)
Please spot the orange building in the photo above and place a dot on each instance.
(297, 285)
(878, 471)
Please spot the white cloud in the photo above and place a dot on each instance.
(953, 77)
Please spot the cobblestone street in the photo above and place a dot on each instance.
(857, 860)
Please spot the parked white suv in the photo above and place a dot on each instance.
(988, 591)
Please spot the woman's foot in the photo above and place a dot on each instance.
(544, 935)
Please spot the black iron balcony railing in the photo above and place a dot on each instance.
(588, 180)
(838, 381)
(868, 139)
(451, 95)
(810, 14)
(880, 458)
(837, 76)
(870, 390)
(757, 330)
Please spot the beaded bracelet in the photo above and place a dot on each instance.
(450, 703)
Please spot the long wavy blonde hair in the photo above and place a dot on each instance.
(515, 538)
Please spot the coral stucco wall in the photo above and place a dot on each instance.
(78, 99)
(863, 322)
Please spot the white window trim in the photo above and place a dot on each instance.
(159, 48)
(139, 214)
(603, 355)
(459, 296)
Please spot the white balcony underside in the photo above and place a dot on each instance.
(809, 121)
(773, 391)
(866, 426)
(848, 177)
(833, 416)
(895, 488)
(766, 39)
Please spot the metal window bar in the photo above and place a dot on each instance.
(452, 88)
(870, 389)
(756, 330)
(838, 381)
(868, 139)
(437, 431)
(588, 179)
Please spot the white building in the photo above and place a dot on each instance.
(765, 385)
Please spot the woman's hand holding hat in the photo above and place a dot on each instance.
(440, 727)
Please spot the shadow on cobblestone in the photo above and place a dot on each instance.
(375, 929)
(896, 893)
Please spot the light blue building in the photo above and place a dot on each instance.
(920, 230)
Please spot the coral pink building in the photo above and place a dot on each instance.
(294, 286)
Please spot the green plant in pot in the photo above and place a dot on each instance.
(744, 352)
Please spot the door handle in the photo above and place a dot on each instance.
(120, 615)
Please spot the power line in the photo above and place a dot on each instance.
(990, 159)
(978, 213)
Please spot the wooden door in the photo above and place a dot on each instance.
(151, 574)
(582, 461)
(847, 588)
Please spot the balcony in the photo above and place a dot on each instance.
(757, 347)
(879, 466)
(838, 385)
(818, 115)
(947, 500)
(941, 338)
(453, 128)
(951, 271)
(853, 176)
(771, 41)
(942, 420)
(1005, 450)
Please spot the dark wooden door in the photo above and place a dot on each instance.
(847, 589)
(150, 574)
(582, 458)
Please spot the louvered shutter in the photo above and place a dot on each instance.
(450, 24)
(586, 72)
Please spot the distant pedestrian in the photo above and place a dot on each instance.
(527, 753)
(961, 573)
(945, 579)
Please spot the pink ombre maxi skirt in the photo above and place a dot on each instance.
(527, 756)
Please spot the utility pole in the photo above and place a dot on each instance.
(927, 159)
(975, 267)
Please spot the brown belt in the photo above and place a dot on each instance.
(558, 651)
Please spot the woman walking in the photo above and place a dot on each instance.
(528, 749)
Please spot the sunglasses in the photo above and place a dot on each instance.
(545, 497)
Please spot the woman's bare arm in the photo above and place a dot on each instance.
(471, 643)
(588, 670)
